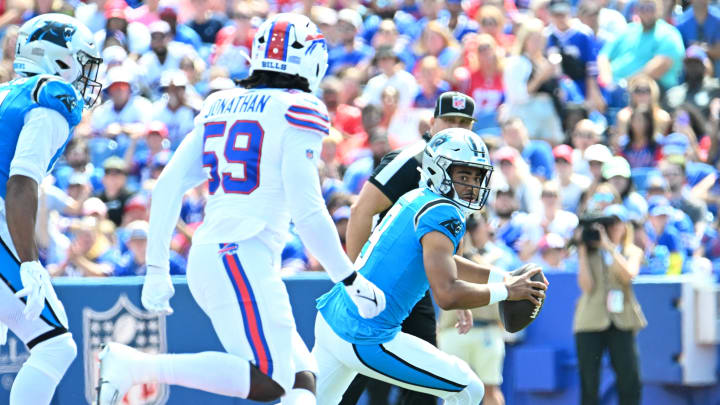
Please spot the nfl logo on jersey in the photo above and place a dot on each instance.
(127, 324)
(458, 102)
(309, 153)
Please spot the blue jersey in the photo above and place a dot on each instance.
(393, 259)
(20, 96)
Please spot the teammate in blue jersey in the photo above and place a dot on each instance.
(410, 251)
(58, 62)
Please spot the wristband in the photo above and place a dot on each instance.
(496, 277)
(350, 279)
(498, 292)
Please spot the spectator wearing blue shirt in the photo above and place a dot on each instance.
(181, 32)
(77, 162)
(700, 25)
(575, 43)
(360, 170)
(459, 23)
(537, 153)
(660, 233)
(651, 46)
(132, 263)
(351, 51)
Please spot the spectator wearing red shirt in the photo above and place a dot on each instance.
(479, 74)
(346, 118)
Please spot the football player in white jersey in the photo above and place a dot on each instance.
(57, 61)
(257, 147)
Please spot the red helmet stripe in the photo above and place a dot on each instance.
(278, 41)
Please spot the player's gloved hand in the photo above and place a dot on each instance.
(36, 281)
(369, 299)
(3, 333)
(157, 290)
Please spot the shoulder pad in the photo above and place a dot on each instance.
(306, 111)
(56, 94)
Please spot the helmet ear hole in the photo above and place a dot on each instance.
(297, 45)
(261, 40)
(62, 64)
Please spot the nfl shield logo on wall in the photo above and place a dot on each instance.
(458, 102)
(127, 324)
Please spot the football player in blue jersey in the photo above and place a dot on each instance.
(412, 249)
(58, 62)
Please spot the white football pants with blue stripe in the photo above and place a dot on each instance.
(405, 361)
(238, 286)
(51, 346)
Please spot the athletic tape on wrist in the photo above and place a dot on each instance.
(498, 292)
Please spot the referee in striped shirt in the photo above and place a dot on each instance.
(398, 173)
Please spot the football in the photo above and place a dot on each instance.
(517, 315)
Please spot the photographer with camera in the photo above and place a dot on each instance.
(608, 315)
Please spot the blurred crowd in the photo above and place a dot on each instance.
(583, 104)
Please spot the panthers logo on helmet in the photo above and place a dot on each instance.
(439, 140)
(55, 32)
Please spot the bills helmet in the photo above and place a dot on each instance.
(290, 43)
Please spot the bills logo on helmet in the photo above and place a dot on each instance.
(458, 102)
(127, 324)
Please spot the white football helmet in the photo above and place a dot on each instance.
(456, 147)
(290, 43)
(60, 45)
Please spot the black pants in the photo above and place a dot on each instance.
(623, 358)
(421, 323)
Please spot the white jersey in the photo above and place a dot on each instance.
(258, 149)
(245, 133)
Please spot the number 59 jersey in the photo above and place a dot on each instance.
(254, 143)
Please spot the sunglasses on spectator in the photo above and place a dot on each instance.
(548, 195)
(385, 31)
(483, 48)
(562, 160)
(488, 21)
(641, 90)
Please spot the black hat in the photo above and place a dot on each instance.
(454, 104)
